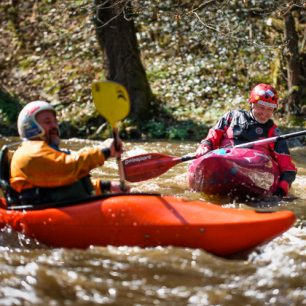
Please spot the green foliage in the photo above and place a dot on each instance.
(155, 129)
(153, 75)
(178, 130)
(9, 108)
(198, 67)
(293, 121)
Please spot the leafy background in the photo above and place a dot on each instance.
(199, 62)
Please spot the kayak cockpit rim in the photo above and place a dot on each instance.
(73, 202)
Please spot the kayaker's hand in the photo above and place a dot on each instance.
(202, 150)
(116, 188)
(113, 151)
(279, 192)
(282, 189)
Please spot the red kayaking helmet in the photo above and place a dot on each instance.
(264, 94)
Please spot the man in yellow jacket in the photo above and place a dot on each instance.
(42, 172)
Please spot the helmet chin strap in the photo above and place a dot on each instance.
(251, 111)
(42, 136)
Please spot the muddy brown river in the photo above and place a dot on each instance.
(272, 274)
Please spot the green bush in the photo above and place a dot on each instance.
(9, 108)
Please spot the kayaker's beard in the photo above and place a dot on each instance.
(260, 120)
(52, 137)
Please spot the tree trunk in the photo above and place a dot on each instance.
(293, 65)
(116, 35)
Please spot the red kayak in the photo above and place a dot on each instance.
(148, 221)
(234, 172)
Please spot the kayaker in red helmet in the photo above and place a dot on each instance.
(240, 126)
(42, 172)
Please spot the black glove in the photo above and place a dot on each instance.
(280, 192)
(105, 186)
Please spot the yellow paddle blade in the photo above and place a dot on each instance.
(111, 100)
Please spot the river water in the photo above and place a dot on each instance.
(273, 274)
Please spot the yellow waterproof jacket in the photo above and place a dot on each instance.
(36, 164)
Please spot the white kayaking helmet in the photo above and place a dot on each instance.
(28, 127)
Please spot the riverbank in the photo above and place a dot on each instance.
(50, 53)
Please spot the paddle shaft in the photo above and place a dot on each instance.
(119, 161)
(147, 166)
(271, 139)
(257, 142)
(113, 103)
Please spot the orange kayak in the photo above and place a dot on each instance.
(149, 221)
